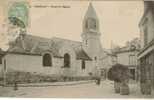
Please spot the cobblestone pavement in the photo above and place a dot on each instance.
(88, 90)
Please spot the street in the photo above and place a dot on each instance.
(88, 90)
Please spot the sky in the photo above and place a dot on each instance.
(118, 19)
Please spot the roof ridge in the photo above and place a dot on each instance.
(38, 36)
(66, 39)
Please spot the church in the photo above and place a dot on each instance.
(58, 56)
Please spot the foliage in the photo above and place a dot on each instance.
(118, 73)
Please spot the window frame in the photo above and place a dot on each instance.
(91, 23)
(67, 60)
(47, 63)
(132, 59)
(83, 64)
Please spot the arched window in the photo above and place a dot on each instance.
(83, 64)
(47, 60)
(90, 24)
(66, 60)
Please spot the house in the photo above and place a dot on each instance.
(57, 56)
(108, 60)
(146, 55)
(127, 55)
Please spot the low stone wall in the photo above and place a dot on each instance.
(27, 77)
(46, 84)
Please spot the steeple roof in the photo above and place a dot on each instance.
(91, 13)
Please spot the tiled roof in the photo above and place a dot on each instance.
(126, 49)
(37, 45)
(109, 52)
(76, 45)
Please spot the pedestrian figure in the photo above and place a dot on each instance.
(15, 86)
(98, 81)
(16, 78)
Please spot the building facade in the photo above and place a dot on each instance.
(108, 60)
(128, 56)
(146, 56)
(1, 62)
(54, 56)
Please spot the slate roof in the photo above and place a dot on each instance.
(36, 45)
(109, 52)
(126, 49)
(91, 12)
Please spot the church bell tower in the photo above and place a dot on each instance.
(91, 34)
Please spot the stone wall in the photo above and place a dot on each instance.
(147, 73)
(33, 64)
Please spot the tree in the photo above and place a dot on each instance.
(120, 75)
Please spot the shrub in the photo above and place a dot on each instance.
(118, 73)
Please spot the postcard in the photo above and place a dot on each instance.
(76, 49)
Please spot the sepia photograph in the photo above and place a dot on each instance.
(76, 49)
